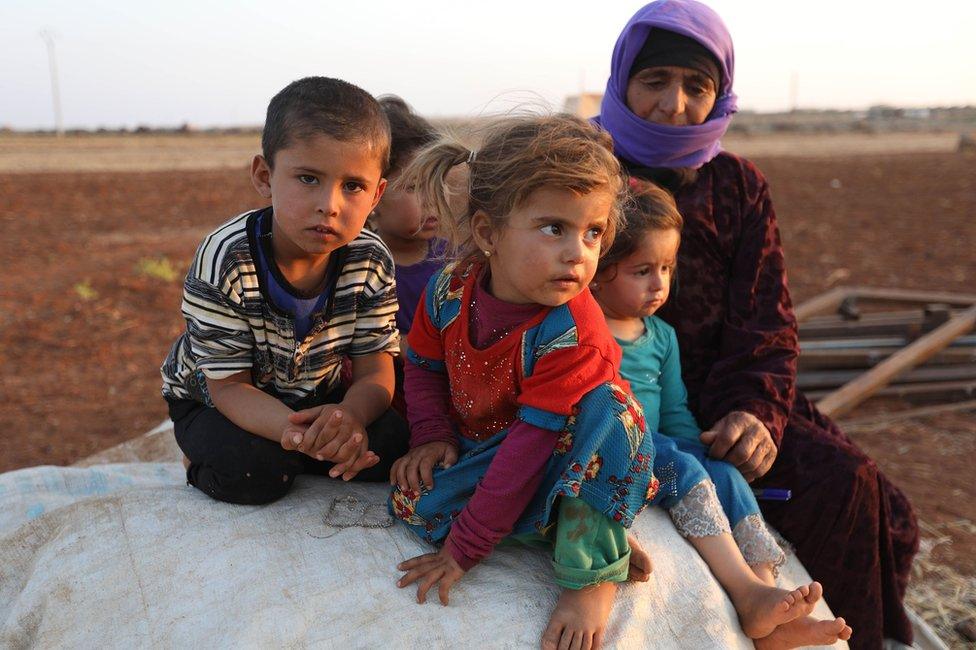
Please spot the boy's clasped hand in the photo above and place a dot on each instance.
(331, 433)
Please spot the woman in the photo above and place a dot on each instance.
(668, 102)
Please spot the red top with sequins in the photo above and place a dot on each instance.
(482, 350)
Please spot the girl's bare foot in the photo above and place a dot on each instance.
(803, 632)
(762, 608)
(580, 618)
(186, 462)
(640, 562)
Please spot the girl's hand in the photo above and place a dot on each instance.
(431, 569)
(418, 465)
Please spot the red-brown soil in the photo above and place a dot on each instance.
(83, 331)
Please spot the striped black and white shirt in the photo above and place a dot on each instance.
(233, 325)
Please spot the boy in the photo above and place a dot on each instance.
(276, 297)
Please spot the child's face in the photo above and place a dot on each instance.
(547, 250)
(399, 215)
(322, 190)
(640, 283)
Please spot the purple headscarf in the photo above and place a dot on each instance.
(663, 145)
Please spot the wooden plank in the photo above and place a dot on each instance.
(893, 342)
(835, 378)
(939, 391)
(825, 302)
(900, 327)
(883, 316)
(914, 295)
(868, 357)
(910, 324)
(830, 300)
(858, 390)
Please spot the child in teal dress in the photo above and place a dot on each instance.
(633, 281)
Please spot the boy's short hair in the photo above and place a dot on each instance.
(409, 132)
(324, 106)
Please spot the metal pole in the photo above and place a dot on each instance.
(55, 91)
(794, 90)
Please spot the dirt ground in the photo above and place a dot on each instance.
(112, 152)
(89, 304)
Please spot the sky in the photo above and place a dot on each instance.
(217, 63)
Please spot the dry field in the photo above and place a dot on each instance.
(96, 232)
(152, 152)
(125, 153)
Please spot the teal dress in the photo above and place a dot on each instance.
(652, 366)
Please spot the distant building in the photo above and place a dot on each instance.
(585, 105)
(884, 112)
(918, 113)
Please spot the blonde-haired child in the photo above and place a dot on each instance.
(513, 385)
(409, 231)
(632, 282)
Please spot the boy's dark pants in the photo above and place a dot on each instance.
(231, 464)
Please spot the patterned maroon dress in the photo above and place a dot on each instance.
(852, 528)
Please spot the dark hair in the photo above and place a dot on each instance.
(649, 208)
(518, 155)
(666, 48)
(324, 106)
(408, 131)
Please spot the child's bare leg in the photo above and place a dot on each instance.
(765, 573)
(580, 618)
(640, 562)
(805, 631)
(761, 607)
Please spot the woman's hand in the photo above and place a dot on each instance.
(741, 439)
(428, 570)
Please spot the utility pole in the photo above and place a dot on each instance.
(55, 91)
(794, 89)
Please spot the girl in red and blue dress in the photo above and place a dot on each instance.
(513, 384)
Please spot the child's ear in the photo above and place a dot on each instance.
(481, 231)
(600, 278)
(380, 188)
(261, 176)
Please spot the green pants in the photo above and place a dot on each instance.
(587, 547)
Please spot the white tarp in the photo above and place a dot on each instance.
(127, 555)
